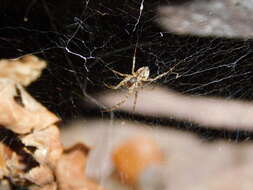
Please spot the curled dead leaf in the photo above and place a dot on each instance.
(23, 70)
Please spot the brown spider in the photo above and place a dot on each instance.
(134, 81)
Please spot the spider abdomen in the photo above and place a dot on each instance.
(131, 82)
(143, 73)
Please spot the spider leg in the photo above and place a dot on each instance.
(110, 86)
(115, 87)
(119, 73)
(165, 73)
(135, 99)
(119, 103)
(134, 59)
(122, 83)
(162, 75)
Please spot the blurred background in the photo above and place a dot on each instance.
(82, 41)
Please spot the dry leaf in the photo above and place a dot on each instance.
(70, 170)
(20, 112)
(23, 70)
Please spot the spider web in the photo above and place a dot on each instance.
(83, 41)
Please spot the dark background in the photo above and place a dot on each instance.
(83, 40)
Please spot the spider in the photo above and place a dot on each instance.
(135, 81)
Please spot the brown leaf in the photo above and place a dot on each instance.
(23, 70)
(70, 170)
(22, 118)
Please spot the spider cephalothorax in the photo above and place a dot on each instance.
(143, 73)
(137, 78)
(134, 81)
